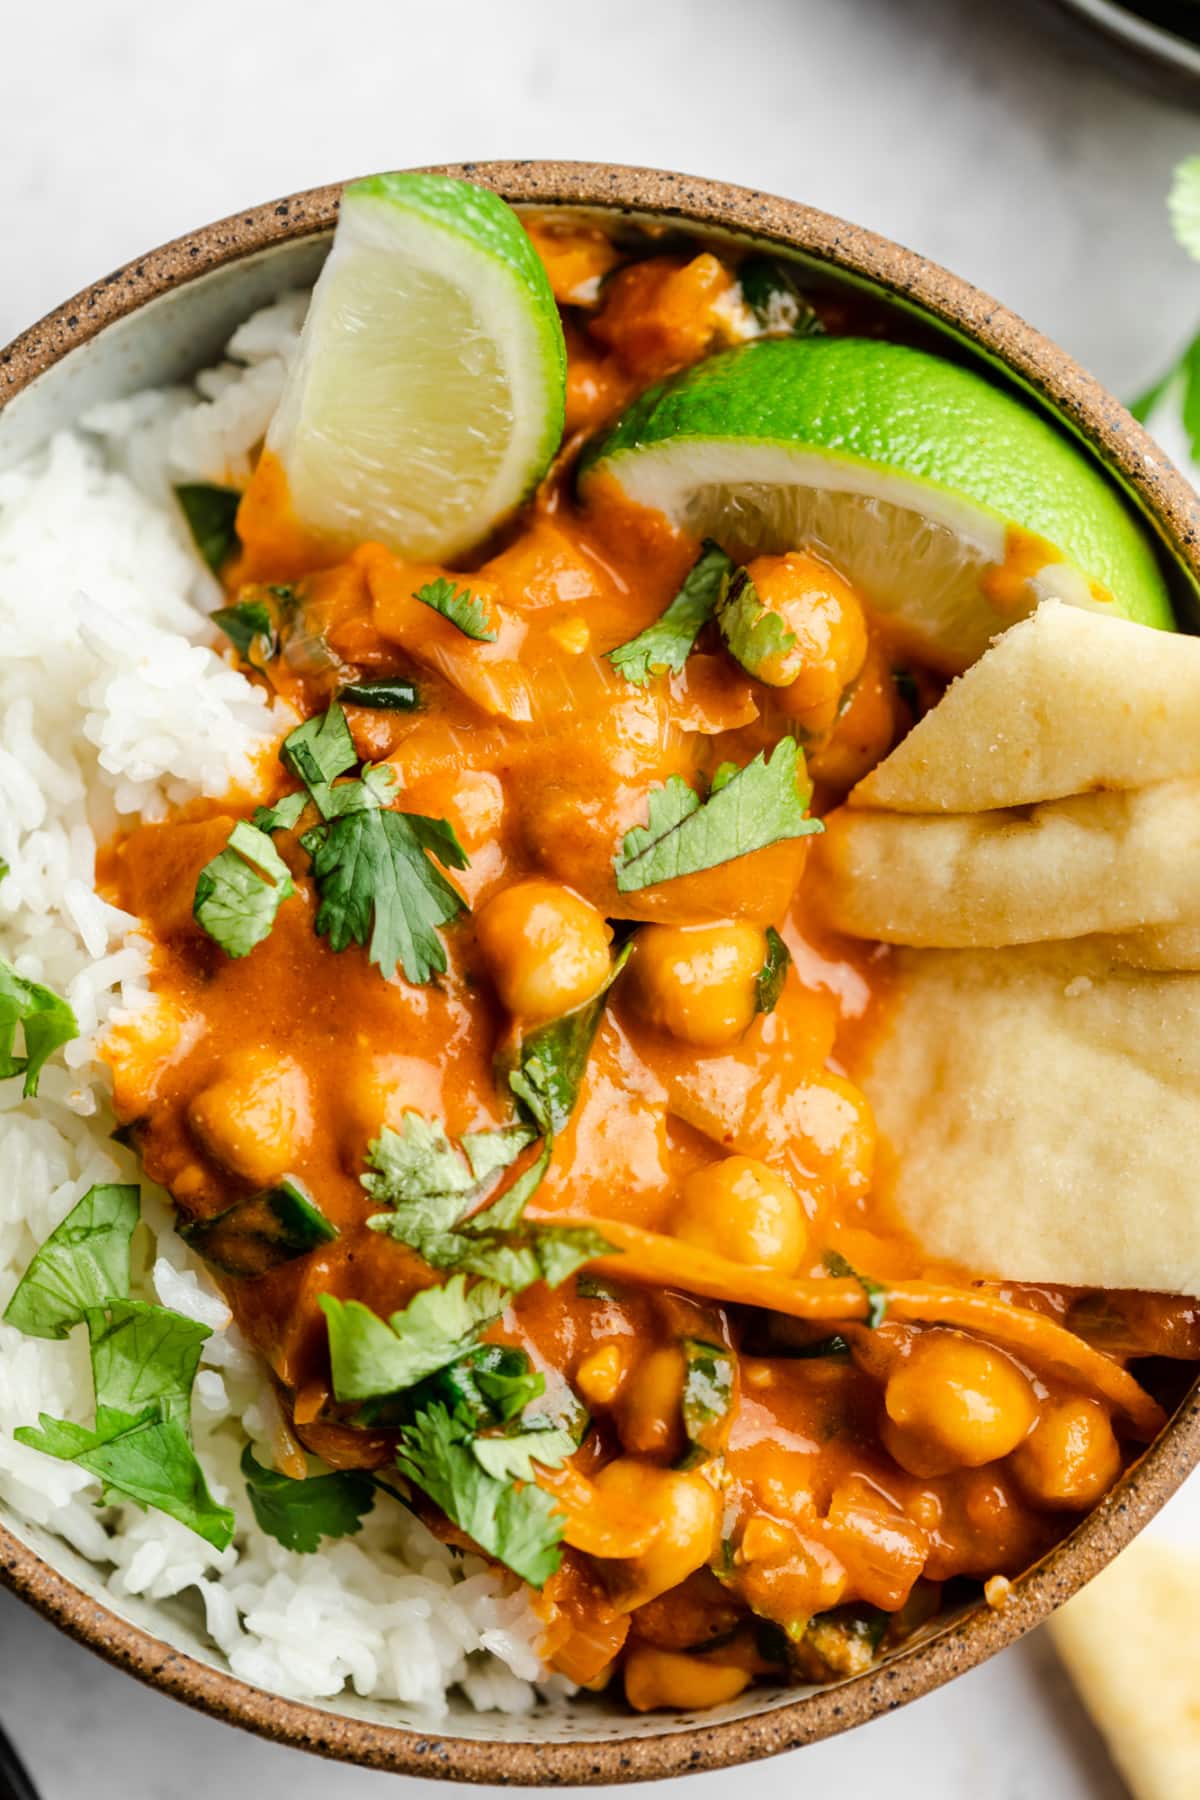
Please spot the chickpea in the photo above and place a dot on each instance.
(378, 1091)
(690, 1513)
(255, 1116)
(697, 981)
(1071, 1457)
(667, 1678)
(825, 617)
(649, 1410)
(744, 1210)
(954, 1402)
(546, 947)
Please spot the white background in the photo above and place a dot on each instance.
(965, 129)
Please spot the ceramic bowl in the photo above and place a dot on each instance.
(170, 313)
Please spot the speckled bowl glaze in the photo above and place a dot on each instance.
(166, 315)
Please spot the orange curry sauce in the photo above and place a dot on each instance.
(847, 1487)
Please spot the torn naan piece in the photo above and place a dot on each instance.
(1039, 1107)
(1102, 862)
(1066, 701)
(1129, 1643)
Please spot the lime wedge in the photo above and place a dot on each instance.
(954, 508)
(426, 399)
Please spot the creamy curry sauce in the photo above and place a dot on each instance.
(848, 1485)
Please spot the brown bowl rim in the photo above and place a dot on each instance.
(1172, 508)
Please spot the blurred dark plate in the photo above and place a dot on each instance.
(1156, 42)
(14, 1777)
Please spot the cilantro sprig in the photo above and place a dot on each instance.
(521, 1526)
(211, 514)
(762, 804)
(375, 870)
(708, 1392)
(769, 982)
(371, 1356)
(144, 1360)
(664, 647)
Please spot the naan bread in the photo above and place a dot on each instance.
(1106, 862)
(1129, 1643)
(1066, 701)
(1040, 1108)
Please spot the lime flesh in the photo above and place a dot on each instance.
(953, 507)
(427, 396)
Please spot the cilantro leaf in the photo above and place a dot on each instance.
(143, 1354)
(299, 1513)
(211, 514)
(877, 1294)
(491, 1384)
(419, 1169)
(284, 815)
(240, 891)
(388, 693)
(521, 1527)
(665, 646)
(512, 1458)
(461, 608)
(755, 637)
(247, 624)
(378, 887)
(1184, 373)
(771, 293)
(321, 749)
(762, 804)
(82, 1264)
(490, 1152)
(554, 1058)
(708, 1385)
(261, 1231)
(372, 1356)
(146, 1458)
(47, 1020)
(1183, 204)
(768, 983)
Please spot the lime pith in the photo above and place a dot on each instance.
(915, 476)
(427, 396)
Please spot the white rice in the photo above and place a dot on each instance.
(112, 708)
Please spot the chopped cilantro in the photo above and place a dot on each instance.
(144, 1361)
(512, 1458)
(391, 693)
(82, 1264)
(240, 891)
(211, 514)
(284, 815)
(491, 1384)
(755, 637)
(372, 1356)
(461, 608)
(320, 750)
(762, 804)
(261, 1231)
(665, 646)
(877, 1295)
(47, 1022)
(770, 291)
(146, 1458)
(247, 625)
(143, 1355)
(708, 1385)
(299, 1513)
(768, 983)
(378, 887)
(520, 1527)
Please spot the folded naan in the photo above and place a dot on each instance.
(1065, 701)
(1040, 1109)
(1053, 792)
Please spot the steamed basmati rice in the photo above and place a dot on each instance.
(113, 707)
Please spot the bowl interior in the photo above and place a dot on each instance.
(166, 339)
